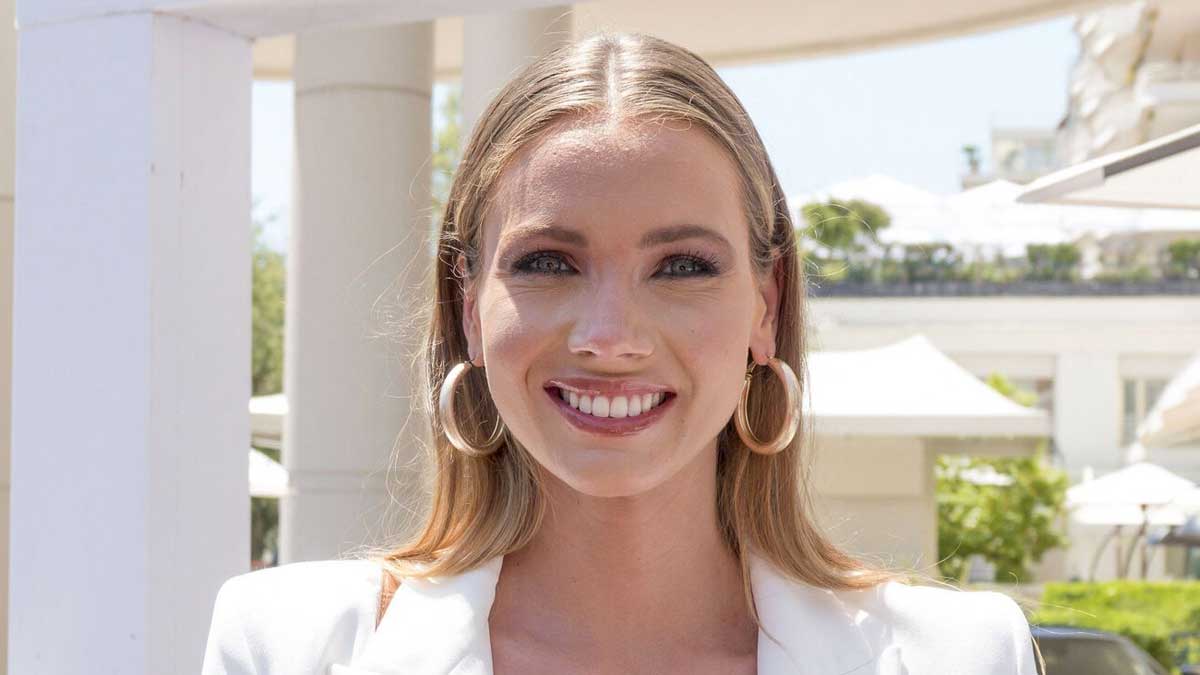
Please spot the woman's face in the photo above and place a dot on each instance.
(615, 267)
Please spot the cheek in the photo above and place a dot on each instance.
(514, 335)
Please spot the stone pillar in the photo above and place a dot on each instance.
(131, 340)
(496, 46)
(1087, 411)
(357, 269)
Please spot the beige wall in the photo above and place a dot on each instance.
(874, 497)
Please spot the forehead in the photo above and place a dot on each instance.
(619, 179)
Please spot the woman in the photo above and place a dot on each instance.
(612, 356)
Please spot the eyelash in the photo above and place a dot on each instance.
(708, 266)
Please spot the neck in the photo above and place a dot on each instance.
(629, 570)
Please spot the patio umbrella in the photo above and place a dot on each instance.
(1141, 489)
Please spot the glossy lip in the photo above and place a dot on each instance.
(592, 386)
(609, 426)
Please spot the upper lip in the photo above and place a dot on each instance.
(593, 386)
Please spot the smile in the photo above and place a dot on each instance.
(618, 415)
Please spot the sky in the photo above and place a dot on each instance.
(904, 112)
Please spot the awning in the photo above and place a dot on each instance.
(1161, 174)
(750, 31)
(1175, 418)
(911, 389)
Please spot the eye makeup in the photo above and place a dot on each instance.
(556, 263)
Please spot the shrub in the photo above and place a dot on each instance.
(1147, 612)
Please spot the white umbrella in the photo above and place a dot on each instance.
(268, 478)
(1142, 494)
(1140, 484)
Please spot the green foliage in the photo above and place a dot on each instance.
(844, 227)
(267, 316)
(1011, 526)
(1147, 612)
(1130, 275)
(1005, 387)
(447, 148)
(1182, 259)
(264, 526)
(930, 262)
(1052, 262)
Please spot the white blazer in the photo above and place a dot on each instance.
(319, 617)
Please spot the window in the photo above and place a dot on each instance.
(1138, 397)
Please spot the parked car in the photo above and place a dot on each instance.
(1084, 651)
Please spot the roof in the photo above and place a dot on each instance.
(910, 388)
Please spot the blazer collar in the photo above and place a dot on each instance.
(440, 626)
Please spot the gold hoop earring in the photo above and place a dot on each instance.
(791, 424)
(450, 422)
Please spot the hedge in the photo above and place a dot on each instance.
(1147, 612)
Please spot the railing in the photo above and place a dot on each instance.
(852, 289)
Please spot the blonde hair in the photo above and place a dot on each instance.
(491, 506)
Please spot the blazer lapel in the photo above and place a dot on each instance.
(440, 627)
(433, 626)
(805, 630)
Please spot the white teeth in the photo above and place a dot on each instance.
(617, 406)
(600, 406)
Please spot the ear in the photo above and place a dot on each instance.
(470, 312)
(762, 337)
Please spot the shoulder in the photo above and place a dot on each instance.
(292, 618)
(935, 629)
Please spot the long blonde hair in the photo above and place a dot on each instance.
(491, 506)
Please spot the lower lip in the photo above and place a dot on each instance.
(609, 426)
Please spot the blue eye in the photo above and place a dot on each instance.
(542, 262)
(689, 265)
(551, 263)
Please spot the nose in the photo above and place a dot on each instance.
(608, 324)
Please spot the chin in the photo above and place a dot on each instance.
(606, 472)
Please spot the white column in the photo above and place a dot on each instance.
(131, 343)
(497, 46)
(1087, 411)
(8, 113)
(356, 272)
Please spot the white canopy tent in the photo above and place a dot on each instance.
(268, 478)
(1159, 174)
(911, 388)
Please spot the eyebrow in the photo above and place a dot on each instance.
(662, 235)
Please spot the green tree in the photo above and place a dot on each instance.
(844, 227)
(1012, 526)
(1182, 259)
(267, 315)
(447, 148)
(1053, 262)
(842, 232)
